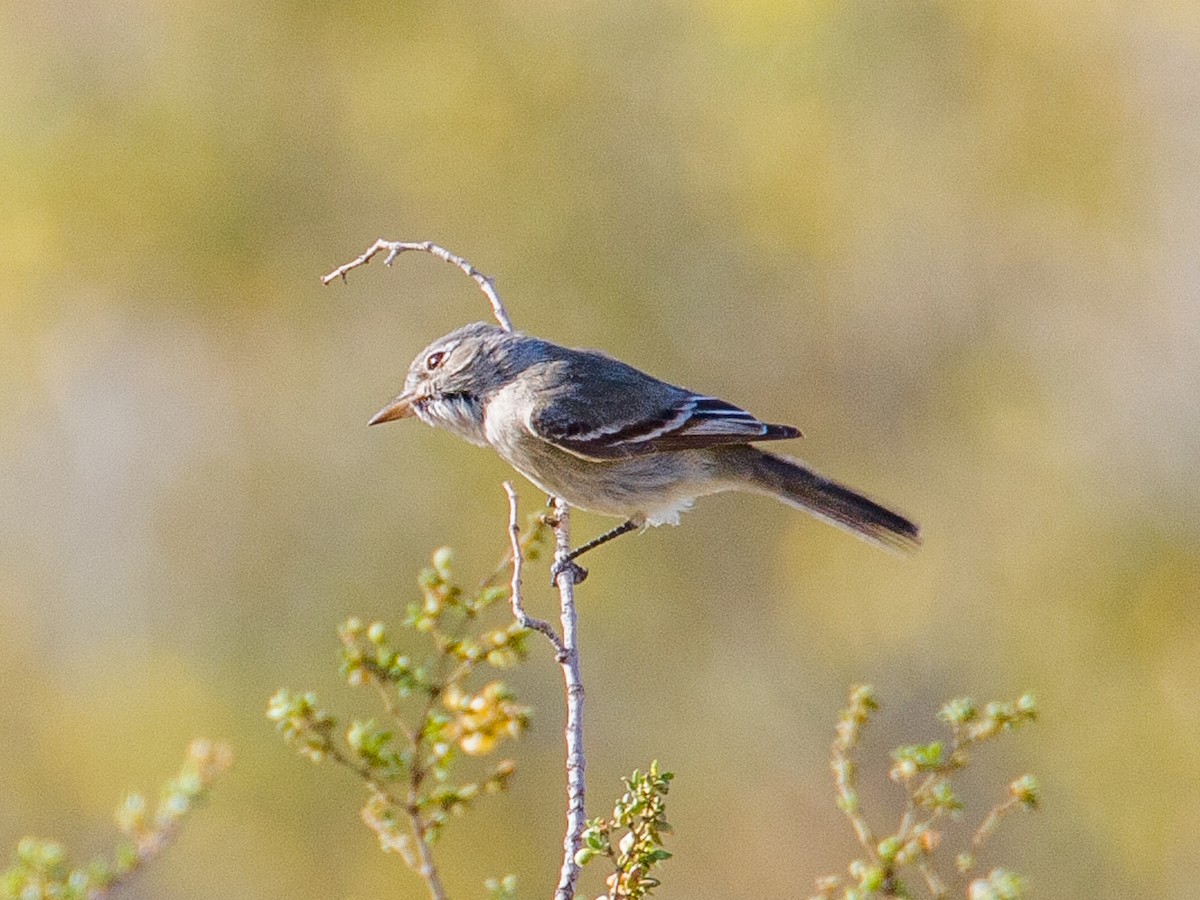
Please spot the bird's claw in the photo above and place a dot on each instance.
(578, 573)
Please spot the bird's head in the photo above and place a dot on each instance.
(450, 380)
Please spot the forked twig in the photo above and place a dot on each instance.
(518, 561)
(566, 647)
(395, 248)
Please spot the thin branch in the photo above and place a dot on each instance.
(529, 542)
(386, 697)
(567, 654)
(395, 248)
(576, 760)
(426, 867)
(206, 760)
(518, 562)
(365, 773)
(853, 720)
(992, 821)
(937, 887)
(566, 647)
(423, 863)
(845, 771)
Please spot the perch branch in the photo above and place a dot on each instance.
(566, 647)
(566, 650)
(576, 761)
(395, 248)
(518, 562)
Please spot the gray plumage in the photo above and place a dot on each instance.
(609, 438)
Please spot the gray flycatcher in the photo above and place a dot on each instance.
(609, 438)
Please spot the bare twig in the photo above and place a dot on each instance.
(538, 527)
(933, 881)
(518, 562)
(567, 653)
(992, 821)
(576, 761)
(395, 248)
(566, 647)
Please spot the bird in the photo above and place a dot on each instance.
(606, 437)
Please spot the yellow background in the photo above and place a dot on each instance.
(954, 242)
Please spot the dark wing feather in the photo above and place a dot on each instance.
(615, 411)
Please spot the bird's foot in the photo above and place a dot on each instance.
(578, 573)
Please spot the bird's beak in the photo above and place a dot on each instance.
(400, 408)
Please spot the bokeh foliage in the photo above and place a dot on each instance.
(952, 241)
(433, 713)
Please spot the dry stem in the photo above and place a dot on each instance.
(518, 562)
(576, 761)
(567, 653)
(566, 647)
(395, 248)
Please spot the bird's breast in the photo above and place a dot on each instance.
(459, 414)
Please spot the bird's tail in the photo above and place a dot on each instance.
(804, 489)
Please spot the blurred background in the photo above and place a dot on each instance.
(954, 242)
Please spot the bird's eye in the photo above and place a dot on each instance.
(434, 360)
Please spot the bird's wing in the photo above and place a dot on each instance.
(617, 411)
